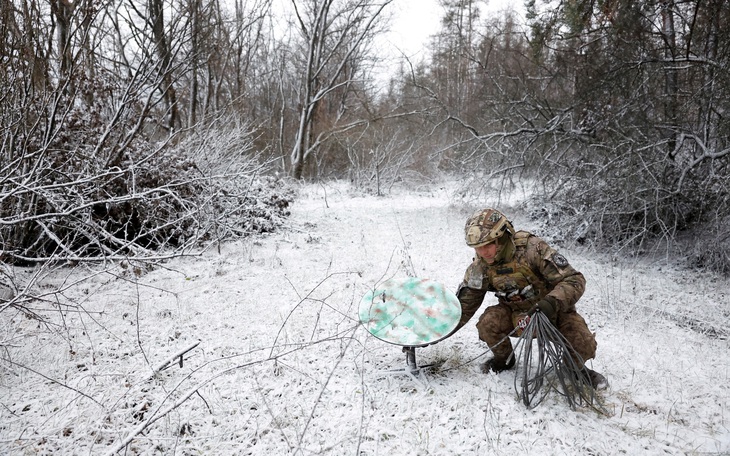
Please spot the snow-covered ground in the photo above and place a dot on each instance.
(283, 367)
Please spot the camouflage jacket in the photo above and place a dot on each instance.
(530, 272)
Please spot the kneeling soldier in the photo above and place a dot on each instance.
(527, 275)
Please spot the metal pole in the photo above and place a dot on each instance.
(411, 358)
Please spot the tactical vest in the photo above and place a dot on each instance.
(515, 282)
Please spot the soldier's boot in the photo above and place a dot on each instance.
(596, 380)
(498, 365)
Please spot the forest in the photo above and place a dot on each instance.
(149, 128)
(195, 195)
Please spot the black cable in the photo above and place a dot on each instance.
(555, 367)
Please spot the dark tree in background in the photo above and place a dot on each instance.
(115, 114)
(642, 91)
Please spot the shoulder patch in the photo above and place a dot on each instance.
(559, 260)
(474, 276)
(475, 282)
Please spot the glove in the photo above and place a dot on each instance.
(547, 306)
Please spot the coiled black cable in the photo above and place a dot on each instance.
(554, 367)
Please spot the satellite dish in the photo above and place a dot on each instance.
(410, 312)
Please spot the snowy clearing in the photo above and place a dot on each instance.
(283, 367)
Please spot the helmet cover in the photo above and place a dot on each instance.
(485, 227)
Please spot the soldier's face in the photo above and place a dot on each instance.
(487, 252)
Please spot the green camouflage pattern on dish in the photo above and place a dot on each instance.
(410, 312)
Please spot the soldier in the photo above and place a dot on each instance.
(526, 275)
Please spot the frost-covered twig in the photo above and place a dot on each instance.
(177, 356)
(305, 298)
(319, 396)
(53, 380)
(160, 413)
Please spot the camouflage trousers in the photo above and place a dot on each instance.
(496, 323)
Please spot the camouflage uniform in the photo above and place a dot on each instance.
(527, 271)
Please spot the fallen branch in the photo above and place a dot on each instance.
(163, 365)
(138, 430)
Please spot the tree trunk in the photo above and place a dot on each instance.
(195, 53)
(63, 11)
(167, 88)
(671, 87)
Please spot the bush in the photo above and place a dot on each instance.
(73, 206)
(622, 199)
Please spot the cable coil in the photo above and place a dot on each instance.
(555, 366)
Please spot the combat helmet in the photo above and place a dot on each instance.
(486, 226)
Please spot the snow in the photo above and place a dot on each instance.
(283, 366)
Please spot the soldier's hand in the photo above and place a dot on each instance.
(548, 307)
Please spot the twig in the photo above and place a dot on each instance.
(160, 414)
(172, 359)
(281, 328)
(53, 380)
(136, 431)
(319, 396)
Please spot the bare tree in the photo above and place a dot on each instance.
(334, 35)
